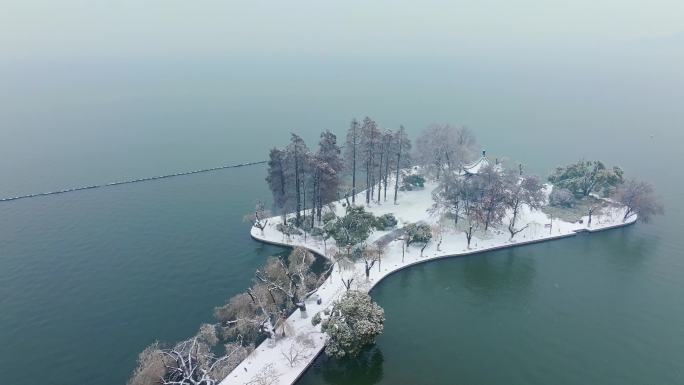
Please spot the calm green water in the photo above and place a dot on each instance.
(88, 279)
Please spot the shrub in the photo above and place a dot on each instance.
(412, 182)
(288, 229)
(329, 216)
(385, 222)
(306, 226)
(561, 197)
(316, 319)
(317, 232)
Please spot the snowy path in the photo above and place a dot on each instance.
(268, 365)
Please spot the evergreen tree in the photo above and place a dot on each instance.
(297, 157)
(370, 137)
(401, 147)
(351, 152)
(276, 178)
(329, 181)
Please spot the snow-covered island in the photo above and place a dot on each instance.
(444, 199)
(267, 363)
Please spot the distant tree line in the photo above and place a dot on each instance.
(300, 179)
(304, 181)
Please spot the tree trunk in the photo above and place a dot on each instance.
(354, 164)
(303, 201)
(396, 181)
(387, 168)
(297, 190)
(368, 174)
(469, 234)
(380, 177)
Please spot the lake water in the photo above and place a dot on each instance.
(88, 279)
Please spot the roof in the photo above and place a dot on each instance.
(476, 166)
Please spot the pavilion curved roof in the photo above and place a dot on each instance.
(476, 166)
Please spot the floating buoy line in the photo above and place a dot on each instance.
(130, 181)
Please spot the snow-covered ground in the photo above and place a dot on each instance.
(268, 363)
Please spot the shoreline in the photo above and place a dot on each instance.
(426, 260)
(268, 356)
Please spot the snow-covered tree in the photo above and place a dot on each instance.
(490, 207)
(401, 148)
(277, 180)
(586, 177)
(259, 217)
(268, 375)
(191, 362)
(151, 367)
(355, 321)
(370, 140)
(294, 279)
(353, 228)
(438, 234)
(561, 197)
(370, 256)
(351, 153)
(639, 199)
(447, 198)
(441, 147)
(327, 169)
(524, 190)
(419, 233)
(387, 139)
(242, 317)
(299, 350)
(297, 157)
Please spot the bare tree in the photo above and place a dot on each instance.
(491, 205)
(248, 315)
(380, 249)
(294, 279)
(299, 350)
(638, 197)
(192, 362)
(268, 375)
(471, 225)
(442, 147)
(437, 234)
(347, 282)
(259, 218)
(151, 367)
(448, 198)
(370, 256)
(595, 209)
(524, 190)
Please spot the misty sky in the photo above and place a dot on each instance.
(107, 90)
(31, 28)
